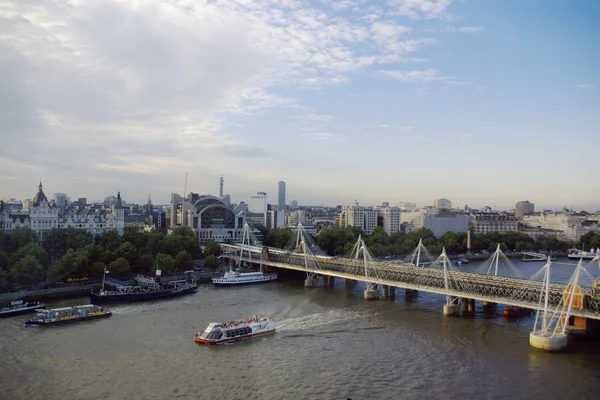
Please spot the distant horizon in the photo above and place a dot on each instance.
(481, 102)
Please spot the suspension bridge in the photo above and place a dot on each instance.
(561, 307)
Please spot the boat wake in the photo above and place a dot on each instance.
(312, 321)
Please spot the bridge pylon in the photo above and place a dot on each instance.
(361, 254)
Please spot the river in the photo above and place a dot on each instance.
(330, 344)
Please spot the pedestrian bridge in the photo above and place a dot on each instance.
(439, 277)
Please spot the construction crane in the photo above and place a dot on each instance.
(185, 187)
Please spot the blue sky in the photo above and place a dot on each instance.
(482, 102)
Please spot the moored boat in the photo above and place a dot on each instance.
(146, 290)
(532, 257)
(20, 307)
(233, 331)
(233, 278)
(577, 254)
(69, 314)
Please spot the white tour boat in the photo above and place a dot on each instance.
(232, 278)
(233, 331)
(586, 255)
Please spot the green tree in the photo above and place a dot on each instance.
(27, 271)
(30, 249)
(58, 241)
(143, 263)
(211, 262)
(110, 240)
(22, 237)
(164, 262)
(212, 248)
(74, 263)
(97, 269)
(119, 268)
(127, 251)
(183, 261)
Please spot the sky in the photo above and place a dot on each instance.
(481, 102)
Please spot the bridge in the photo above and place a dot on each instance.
(555, 303)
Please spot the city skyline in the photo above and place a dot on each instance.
(483, 103)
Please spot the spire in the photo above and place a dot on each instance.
(118, 204)
(40, 187)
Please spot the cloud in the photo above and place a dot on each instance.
(426, 9)
(425, 76)
(470, 29)
(585, 86)
(323, 136)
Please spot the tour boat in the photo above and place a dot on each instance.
(233, 331)
(531, 257)
(20, 307)
(232, 278)
(147, 289)
(586, 255)
(69, 314)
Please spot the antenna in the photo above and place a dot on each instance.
(185, 187)
(221, 187)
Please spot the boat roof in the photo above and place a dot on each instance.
(70, 308)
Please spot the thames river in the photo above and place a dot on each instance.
(330, 344)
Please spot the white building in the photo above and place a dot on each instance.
(406, 206)
(362, 217)
(258, 203)
(442, 204)
(44, 215)
(523, 208)
(391, 219)
(536, 233)
(573, 225)
(439, 221)
(488, 223)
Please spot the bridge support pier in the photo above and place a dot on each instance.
(350, 283)
(471, 307)
(548, 343)
(392, 292)
(451, 310)
(310, 282)
(332, 282)
(489, 306)
(411, 292)
(385, 291)
(371, 293)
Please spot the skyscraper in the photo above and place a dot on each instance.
(281, 198)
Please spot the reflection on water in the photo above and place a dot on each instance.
(329, 344)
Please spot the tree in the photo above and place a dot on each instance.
(22, 237)
(97, 269)
(143, 263)
(110, 240)
(164, 262)
(27, 271)
(211, 262)
(127, 251)
(119, 268)
(74, 263)
(58, 241)
(183, 261)
(31, 249)
(212, 248)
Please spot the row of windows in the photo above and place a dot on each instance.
(239, 332)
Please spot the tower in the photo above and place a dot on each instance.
(119, 208)
(221, 187)
(281, 196)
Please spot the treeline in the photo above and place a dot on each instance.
(77, 253)
(339, 241)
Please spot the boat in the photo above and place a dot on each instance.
(69, 314)
(532, 257)
(577, 254)
(516, 312)
(233, 278)
(234, 331)
(146, 289)
(20, 307)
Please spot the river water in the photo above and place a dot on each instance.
(330, 344)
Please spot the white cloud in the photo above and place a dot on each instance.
(424, 76)
(323, 136)
(470, 29)
(427, 9)
(585, 86)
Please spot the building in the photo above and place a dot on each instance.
(573, 225)
(391, 219)
(363, 217)
(45, 215)
(439, 221)
(61, 200)
(296, 217)
(488, 223)
(82, 201)
(442, 204)
(210, 218)
(281, 196)
(405, 206)
(536, 233)
(524, 208)
(258, 203)
(294, 205)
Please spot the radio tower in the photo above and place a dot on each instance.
(221, 187)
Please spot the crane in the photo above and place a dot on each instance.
(185, 187)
